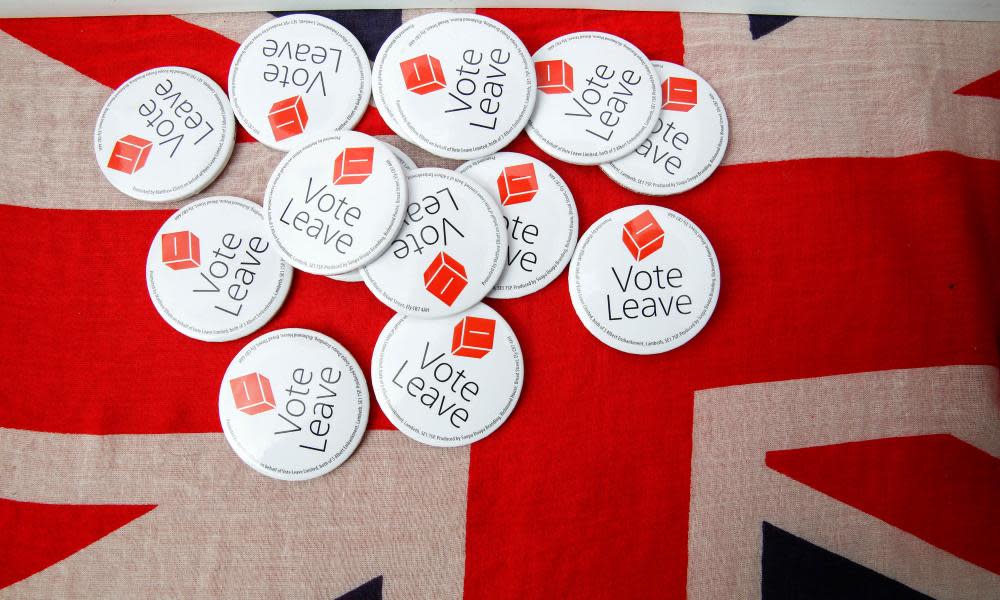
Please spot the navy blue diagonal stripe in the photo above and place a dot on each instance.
(761, 25)
(366, 591)
(371, 27)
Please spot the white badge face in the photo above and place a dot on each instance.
(686, 144)
(293, 404)
(165, 134)
(212, 271)
(540, 215)
(451, 381)
(449, 253)
(644, 279)
(598, 98)
(458, 85)
(336, 203)
(297, 78)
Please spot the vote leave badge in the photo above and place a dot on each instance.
(458, 85)
(644, 279)
(451, 381)
(299, 77)
(449, 253)
(598, 98)
(213, 273)
(686, 144)
(165, 134)
(293, 404)
(540, 216)
(336, 203)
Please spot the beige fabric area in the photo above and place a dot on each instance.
(733, 491)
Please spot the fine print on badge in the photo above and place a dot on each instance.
(164, 135)
(299, 77)
(686, 144)
(212, 272)
(539, 213)
(293, 404)
(458, 85)
(450, 381)
(644, 279)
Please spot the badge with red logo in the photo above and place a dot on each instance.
(212, 271)
(644, 279)
(336, 203)
(686, 144)
(450, 251)
(458, 85)
(293, 404)
(598, 98)
(540, 216)
(165, 134)
(450, 381)
(299, 77)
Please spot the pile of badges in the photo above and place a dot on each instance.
(430, 243)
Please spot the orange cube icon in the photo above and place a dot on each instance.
(353, 165)
(422, 74)
(288, 117)
(473, 337)
(445, 278)
(129, 154)
(680, 94)
(252, 393)
(642, 235)
(554, 76)
(181, 250)
(517, 184)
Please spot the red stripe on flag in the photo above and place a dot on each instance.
(936, 487)
(988, 87)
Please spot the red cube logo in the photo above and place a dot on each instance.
(129, 154)
(554, 76)
(680, 94)
(517, 184)
(288, 118)
(252, 393)
(422, 74)
(642, 235)
(181, 250)
(473, 337)
(445, 278)
(353, 165)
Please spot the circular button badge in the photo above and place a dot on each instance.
(336, 203)
(213, 273)
(458, 85)
(297, 78)
(293, 404)
(448, 382)
(598, 99)
(540, 215)
(450, 251)
(686, 144)
(644, 279)
(165, 134)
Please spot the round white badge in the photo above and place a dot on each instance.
(449, 253)
(293, 404)
(336, 203)
(598, 98)
(540, 215)
(165, 134)
(213, 273)
(686, 144)
(451, 381)
(644, 279)
(354, 275)
(297, 78)
(458, 85)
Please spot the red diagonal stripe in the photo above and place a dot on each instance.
(988, 87)
(936, 487)
(36, 536)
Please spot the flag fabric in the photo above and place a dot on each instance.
(833, 432)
